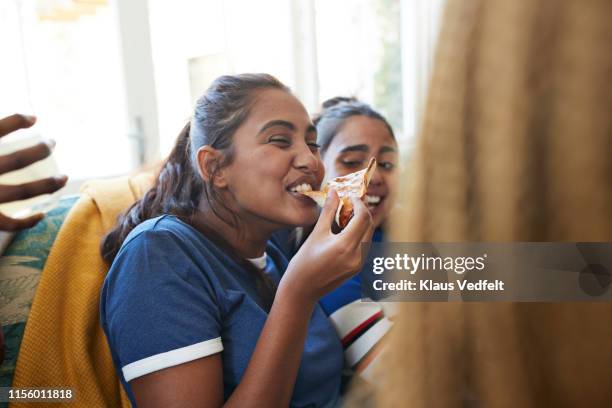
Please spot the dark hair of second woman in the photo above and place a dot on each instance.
(179, 189)
(335, 111)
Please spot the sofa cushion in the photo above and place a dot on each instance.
(20, 267)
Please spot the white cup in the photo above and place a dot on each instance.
(38, 170)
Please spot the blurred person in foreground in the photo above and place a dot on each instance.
(8, 193)
(516, 145)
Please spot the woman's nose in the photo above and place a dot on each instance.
(377, 179)
(306, 160)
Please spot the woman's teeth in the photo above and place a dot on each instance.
(301, 188)
(372, 200)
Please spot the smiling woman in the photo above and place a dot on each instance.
(279, 133)
(194, 271)
(350, 132)
(262, 166)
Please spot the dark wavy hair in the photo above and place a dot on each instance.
(334, 113)
(179, 189)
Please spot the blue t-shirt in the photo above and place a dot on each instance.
(172, 296)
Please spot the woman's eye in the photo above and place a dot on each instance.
(352, 163)
(386, 165)
(280, 141)
(314, 146)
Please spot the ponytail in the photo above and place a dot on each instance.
(177, 191)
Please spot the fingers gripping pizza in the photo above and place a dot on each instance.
(351, 185)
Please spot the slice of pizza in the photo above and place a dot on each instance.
(352, 185)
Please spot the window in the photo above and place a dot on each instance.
(65, 68)
(114, 82)
(359, 53)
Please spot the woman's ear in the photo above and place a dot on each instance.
(209, 160)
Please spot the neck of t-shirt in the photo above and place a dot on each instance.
(259, 262)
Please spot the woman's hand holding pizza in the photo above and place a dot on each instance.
(325, 260)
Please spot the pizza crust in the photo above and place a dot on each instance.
(351, 185)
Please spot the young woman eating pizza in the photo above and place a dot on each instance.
(200, 307)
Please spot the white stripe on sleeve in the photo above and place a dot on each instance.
(366, 342)
(351, 315)
(171, 358)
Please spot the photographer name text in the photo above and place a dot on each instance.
(429, 285)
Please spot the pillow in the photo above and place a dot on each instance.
(21, 265)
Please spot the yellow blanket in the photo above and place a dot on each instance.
(63, 344)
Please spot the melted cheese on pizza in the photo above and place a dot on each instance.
(351, 185)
